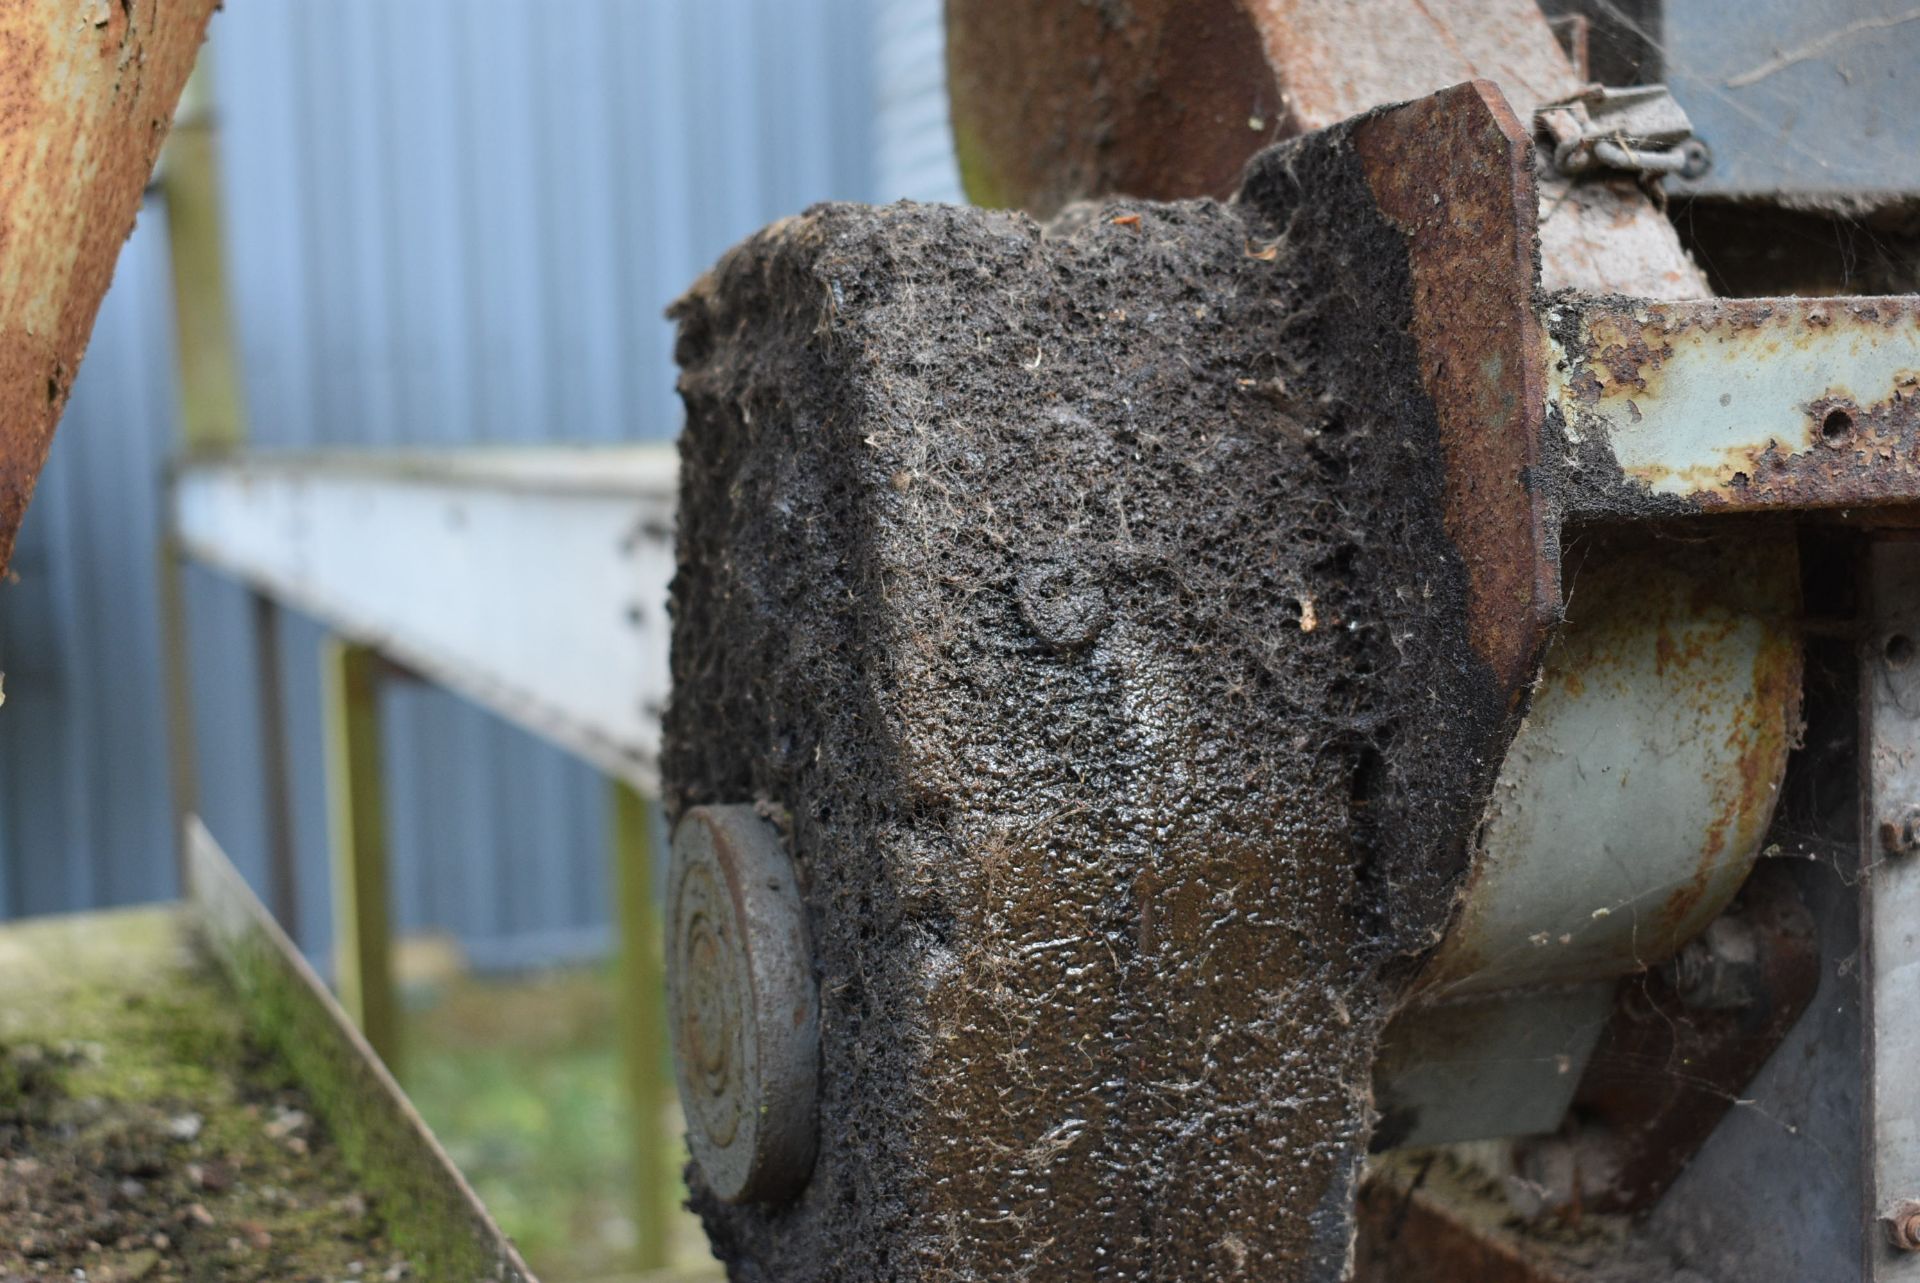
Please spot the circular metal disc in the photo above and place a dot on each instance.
(743, 1005)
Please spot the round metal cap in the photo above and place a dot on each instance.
(743, 1005)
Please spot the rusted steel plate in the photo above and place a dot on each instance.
(1453, 173)
(87, 91)
(1053, 103)
(1337, 58)
(1169, 98)
(1735, 405)
(1408, 1234)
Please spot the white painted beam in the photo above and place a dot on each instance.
(532, 581)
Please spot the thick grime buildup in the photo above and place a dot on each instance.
(1082, 600)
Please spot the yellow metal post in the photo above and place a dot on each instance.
(357, 838)
(642, 995)
(211, 416)
(212, 420)
(181, 775)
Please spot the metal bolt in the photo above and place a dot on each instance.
(743, 1004)
(1695, 159)
(1902, 1225)
(1900, 834)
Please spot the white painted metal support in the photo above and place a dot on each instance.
(534, 582)
(1890, 891)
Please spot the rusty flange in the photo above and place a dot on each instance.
(744, 1007)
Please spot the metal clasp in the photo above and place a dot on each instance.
(1637, 129)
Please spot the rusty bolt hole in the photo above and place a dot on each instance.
(1898, 651)
(1837, 426)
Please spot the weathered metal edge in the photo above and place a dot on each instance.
(652, 480)
(643, 471)
(90, 94)
(431, 1212)
(1454, 173)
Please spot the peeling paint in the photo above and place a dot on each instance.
(1738, 405)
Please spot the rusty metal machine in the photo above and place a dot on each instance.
(1359, 726)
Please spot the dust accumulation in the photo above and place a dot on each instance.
(1082, 596)
(144, 1136)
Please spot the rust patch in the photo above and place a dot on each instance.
(1743, 814)
(1164, 99)
(1053, 103)
(1454, 173)
(85, 102)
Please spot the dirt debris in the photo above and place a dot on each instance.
(144, 1136)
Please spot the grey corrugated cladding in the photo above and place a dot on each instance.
(448, 221)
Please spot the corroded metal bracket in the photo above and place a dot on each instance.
(1130, 619)
(1134, 621)
(1723, 405)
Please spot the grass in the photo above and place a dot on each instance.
(520, 1078)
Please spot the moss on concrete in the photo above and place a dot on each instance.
(145, 1135)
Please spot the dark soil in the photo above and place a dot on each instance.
(143, 1136)
(1083, 599)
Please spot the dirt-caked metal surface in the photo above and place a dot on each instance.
(1124, 623)
(87, 91)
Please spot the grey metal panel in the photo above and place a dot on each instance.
(447, 221)
(472, 238)
(1796, 97)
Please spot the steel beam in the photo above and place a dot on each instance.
(642, 988)
(432, 1214)
(534, 582)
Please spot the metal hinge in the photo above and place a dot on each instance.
(1637, 129)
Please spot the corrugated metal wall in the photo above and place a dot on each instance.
(83, 771)
(448, 221)
(913, 149)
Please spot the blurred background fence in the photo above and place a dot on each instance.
(447, 221)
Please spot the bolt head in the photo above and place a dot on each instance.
(742, 1004)
(1900, 834)
(1902, 1224)
(1695, 159)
